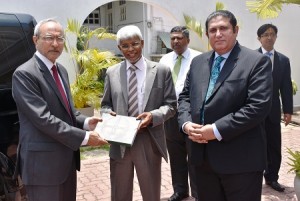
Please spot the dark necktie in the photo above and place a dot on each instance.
(60, 87)
(176, 68)
(215, 71)
(133, 109)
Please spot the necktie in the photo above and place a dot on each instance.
(215, 71)
(176, 68)
(133, 109)
(269, 54)
(60, 87)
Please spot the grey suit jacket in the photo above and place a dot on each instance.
(159, 99)
(48, 136)
(240, 101)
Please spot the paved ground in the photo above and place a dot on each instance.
(94, 184)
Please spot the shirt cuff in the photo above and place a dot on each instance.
(216, 132)
(86, 124)
(86, 138)
(182, 128)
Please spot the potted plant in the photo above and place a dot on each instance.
(294, 163)
(91, 63)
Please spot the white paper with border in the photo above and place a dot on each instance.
(118, 129)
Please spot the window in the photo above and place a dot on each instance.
(109, 6)
(122, 13)
(122, 2)
(109, 23)
(93, 18)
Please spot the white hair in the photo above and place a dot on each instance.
(129, 31)
(40, 23)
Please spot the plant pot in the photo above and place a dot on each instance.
(87, 111)
(297, 186)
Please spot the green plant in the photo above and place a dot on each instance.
(91, 62)
(294, 161)
(268, 8)
(295, 88)
(194, 25)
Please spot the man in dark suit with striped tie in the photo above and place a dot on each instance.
(282, 89)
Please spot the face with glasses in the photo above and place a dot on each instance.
(268, 39)
(132, 48)
(50, 41)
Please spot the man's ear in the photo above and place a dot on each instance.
(119, 48)
(35, 38)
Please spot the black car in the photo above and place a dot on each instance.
(16, 47)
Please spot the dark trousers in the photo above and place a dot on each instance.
(177, 144)
(227, 187)
(273, 132)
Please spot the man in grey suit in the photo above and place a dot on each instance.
(51, 131)
(156, 103)
(282, 90)
(227, 95)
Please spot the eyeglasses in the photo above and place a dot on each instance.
(134, 45)
(50, 39)
(267, 35)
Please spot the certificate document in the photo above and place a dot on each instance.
(118, 129)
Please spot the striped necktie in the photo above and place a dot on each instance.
(133, 109)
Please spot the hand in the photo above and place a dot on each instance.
(287, 119)
(112, 113)
(95, 139)
(146, 118)
(93, 122)
(193, 131)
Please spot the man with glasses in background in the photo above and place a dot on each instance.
(51, 130)
(282, 89)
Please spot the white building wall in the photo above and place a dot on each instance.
(288, 41)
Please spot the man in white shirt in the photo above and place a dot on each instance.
(176, 141)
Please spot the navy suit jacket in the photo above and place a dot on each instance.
(240, 101)
(282, 87)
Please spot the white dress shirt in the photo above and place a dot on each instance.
(170, 60)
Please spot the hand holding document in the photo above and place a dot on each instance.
(118, 129)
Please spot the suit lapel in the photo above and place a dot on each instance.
(228, 66)
(150, 77)
(49, 78)
(123, 81)
(206, 71)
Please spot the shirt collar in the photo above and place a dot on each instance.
(264, 51)
(226, 55)
(44, 59)
(185, 54)
(140, 64)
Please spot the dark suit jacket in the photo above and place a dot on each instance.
(159, 99)
(240, 101)
(48, 139)
(282, 87)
